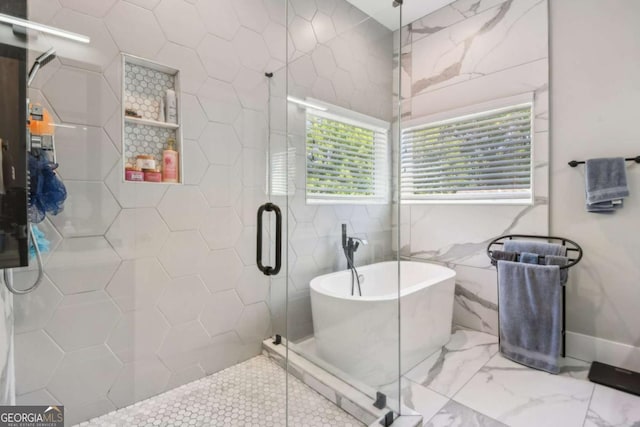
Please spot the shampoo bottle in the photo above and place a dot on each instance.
(170, 162)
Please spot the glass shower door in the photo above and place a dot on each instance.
(342, 280)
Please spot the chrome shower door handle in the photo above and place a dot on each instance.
(267, 270)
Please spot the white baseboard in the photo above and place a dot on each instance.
(588, 348)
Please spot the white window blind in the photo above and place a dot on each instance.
(283, 172)
(483, 156)
(347, 159)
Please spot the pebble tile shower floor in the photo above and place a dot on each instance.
(251, 393)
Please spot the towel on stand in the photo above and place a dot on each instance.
(530, 314)
(540, 248)
(503, 255)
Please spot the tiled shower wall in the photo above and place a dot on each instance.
(353, 70)
(464, 54)
(149, 286)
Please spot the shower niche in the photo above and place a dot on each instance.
(151, 122)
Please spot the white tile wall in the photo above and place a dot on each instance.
(458, 56)
(173, 211)
(80, 97)
(183, 300)
(40, 358)
(138, 334)
(83, 325)
(135, 30)
(90, 143)
(84, 376)
(82, 264)
(89, 210)
(603, 289)
(180, 22)
(138, 283)
(97, 59)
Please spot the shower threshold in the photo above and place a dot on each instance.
(351, 398)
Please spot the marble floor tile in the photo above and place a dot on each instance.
(613, 408)
(456, 415)
(251, 393)
(421, 399)
(574, 368)
(522, 397)
(449, 369)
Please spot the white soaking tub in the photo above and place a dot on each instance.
(359, 334)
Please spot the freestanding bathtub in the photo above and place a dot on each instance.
(359, 334)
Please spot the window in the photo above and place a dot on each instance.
(347, 160)
(479, 157)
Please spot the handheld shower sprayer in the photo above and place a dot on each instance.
(344, 236)
(40, 62)
(349, 247)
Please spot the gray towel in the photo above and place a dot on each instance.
(606, 180)
(503, 255)
(610, 206)
(560, 261)
(529, 258)
(540, 248)
(530, 314)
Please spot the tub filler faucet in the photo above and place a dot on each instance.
(350, 245)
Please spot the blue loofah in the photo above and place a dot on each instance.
(47, 193)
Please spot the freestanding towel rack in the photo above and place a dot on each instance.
(572, 248)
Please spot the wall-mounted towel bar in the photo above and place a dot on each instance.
(574, 163)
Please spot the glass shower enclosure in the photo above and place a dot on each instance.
(229, 169)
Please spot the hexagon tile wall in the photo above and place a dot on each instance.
(149, 287)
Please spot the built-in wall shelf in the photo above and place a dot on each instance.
(148, 122)
(144, 88)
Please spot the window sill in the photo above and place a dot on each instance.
(347, 202)
(493, 202)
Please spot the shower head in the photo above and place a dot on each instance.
(40, 62)
(46, 57)
(397, 3)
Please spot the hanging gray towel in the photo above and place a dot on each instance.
(540, 248)
(560, 261)
(610, 206)
(530, 314)
(605, 182)
(503, 255)
(529, 258)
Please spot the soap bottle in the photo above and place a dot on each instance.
(171, 104)
(170, 162)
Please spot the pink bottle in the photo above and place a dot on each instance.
(170, 162)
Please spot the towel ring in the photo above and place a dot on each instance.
(565, 242)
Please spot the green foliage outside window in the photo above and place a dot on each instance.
(340, 158)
